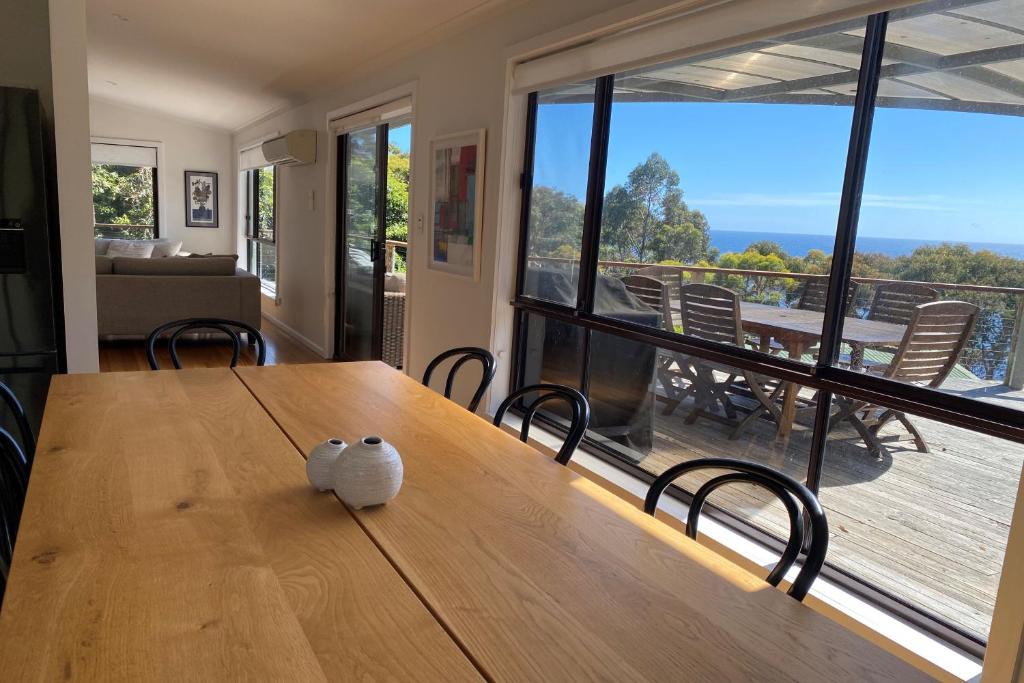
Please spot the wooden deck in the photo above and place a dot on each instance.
(930, 528)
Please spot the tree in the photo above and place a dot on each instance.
(396, 209)
(646, 220)
(123, 195)
(763, 256)
(556, 223)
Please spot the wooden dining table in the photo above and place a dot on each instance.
(169, 534)
(797, 330)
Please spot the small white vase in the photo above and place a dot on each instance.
(368, 473)
(320, 463)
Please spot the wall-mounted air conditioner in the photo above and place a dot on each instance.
(297, 147)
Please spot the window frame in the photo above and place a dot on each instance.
(823, 375)
(156, 201)
(252, 214)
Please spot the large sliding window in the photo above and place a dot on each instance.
(261, 226)
(806, 252)
(125, 198)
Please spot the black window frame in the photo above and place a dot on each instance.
(252, 216)
(823, 375)
(156, 201)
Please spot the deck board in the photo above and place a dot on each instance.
(929, 528)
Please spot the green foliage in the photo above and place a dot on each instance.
(265, 196)
(761, 256)
(646, 219)
(123, 195)
(396, 209)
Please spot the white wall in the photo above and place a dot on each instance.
(460, 85)
(186, 146)
(74, 181)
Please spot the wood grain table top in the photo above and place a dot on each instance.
(781, 321)
(540, 574)
(169, 534)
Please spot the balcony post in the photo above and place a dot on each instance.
(1015, 361)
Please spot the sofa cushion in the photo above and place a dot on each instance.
(213, 265)
(104, 265)
(165, 249)
(130, 249)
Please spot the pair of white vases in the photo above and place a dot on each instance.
(368, 472)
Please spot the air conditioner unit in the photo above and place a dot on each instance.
(297, 147)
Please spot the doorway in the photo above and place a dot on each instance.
(372, 242)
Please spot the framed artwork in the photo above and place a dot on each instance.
(201, 199)
(457, 194)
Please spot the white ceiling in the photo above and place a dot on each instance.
(226, 63)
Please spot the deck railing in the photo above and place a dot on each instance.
(995, 344)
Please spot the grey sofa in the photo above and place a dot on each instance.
(135, 295)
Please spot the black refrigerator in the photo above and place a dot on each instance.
(31, 317)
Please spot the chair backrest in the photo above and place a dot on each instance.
(13, 484)
(895, 302)
(28, 440)
(711, 312)
(931, 346)
(578, 421)
(672, 279)
(232, 328)
(465, 354)
(814, 293)
(652, 292)
(793, 495)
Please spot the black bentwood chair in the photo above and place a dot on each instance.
(578, 404)
(793, 495)
(232, 328)
(28, 441)
(465, 354)
(13, 484)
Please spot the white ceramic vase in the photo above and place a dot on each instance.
(320, 463)
(368, 473)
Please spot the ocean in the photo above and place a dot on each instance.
(797, 244)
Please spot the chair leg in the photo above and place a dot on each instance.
(919, 441)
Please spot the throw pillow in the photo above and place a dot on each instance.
(101, 244)
(130, 249)
(165, 249)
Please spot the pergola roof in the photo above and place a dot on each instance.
(960, 55)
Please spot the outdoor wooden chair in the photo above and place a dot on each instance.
(814, 293)
(712, 313)
(893, 303)
(936, 335)
(896, 302)
(670, 366)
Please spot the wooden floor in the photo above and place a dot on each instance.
(930, 528)
(123, 356)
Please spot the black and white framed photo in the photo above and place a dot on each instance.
(201, 199)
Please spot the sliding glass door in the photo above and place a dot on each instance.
(362, 158)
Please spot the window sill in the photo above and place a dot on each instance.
(888, 631)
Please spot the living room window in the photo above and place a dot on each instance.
(261, 226)
(125, 192)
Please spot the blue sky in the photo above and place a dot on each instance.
(932, 175)
(400, 136)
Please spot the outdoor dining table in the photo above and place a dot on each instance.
(798, 330)
(169, 533)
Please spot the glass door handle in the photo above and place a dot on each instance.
(375, 246)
